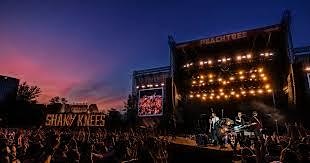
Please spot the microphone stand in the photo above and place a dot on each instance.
(222, 113)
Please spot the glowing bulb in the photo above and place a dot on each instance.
(266, 54)
(262, 54)
(198, 95)
(222, 93)
(191, 96)
(267, 86)
(143, 86)
(271, 54)
(237, 95)
(252, 91)
(201, 81)
(219, 60)
(224, 82)
(241, 77)
(212, 94)
(226, 96)
(210, 76)
(201, 63)
(228, 59)
(204, 98)
(243, 92)
(269, 90)
(262, 75)
(156, 85)
(201, 76)
(232, 93)
(194, 82)
(253, 76)
(191, 64)
(243, 56)
(211, 97)
(260, 91)
(221, 90)
(210, 80)
(162, 84)
(224, 60)
(239, 58)
(231, 78)
(151, 85)
(219, 79)
(240, 72)
(203, 84)
(218, 97)
(307, 68)
(260, 70)
(248, 56)
(209, 62)
(264, 78)
(204, 95)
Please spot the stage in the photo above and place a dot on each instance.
(182, 149)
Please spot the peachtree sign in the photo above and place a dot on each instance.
(223, 38)
(82, 120)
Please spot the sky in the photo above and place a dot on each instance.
(86, 51)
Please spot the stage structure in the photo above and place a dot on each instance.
(149, 94)
(231, 72)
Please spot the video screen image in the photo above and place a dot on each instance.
(150, 102)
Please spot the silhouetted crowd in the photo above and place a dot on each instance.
(82, 145)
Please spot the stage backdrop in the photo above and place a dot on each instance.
(150, 102)
(79, 120)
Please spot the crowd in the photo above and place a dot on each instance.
(80, 145)
(150, 105)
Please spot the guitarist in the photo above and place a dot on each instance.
(239, 121)
(258, 127)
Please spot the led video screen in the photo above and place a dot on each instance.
(150, 102)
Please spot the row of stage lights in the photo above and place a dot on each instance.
(225, 60)
(232, 94)
(252, 75)
(150, 85)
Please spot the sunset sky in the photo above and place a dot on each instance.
(86, 51)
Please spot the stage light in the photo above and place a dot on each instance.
(264, 78)
(271, 54)
(201, 76)
(260, 69)
(205, 62)
(198, 95)
(241, 77)
(260, 91)
(219, 79)
(219, 60)
(222, 93)
(211, 80)
(143, 86)
(221, 90)
(162, 84)
(210, 76)
(231, 78)
(224, 60)
(184, 66)
(269, 90)
(212, 94)
(204, 95)
(239, 58)
(248, 56)
(191, 64)
(201, 81)
(209, 62)
(243, 92)
(203, 84)
(226, 96)
(307, 68)
(137, 87)
(151, 85)
(218, 97)
(224, 82)
(262, 54)
(211, 97)
(266, 54)
(204, 98)
(237, 95)
(232, 93)
(252, 91)
(201, 63)
(240, 72)
(228, 59)
(267, 86)
(262, 75)
(156, 85)
(243, 56)
(253, 76)
(191, 96)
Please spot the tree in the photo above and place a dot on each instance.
(55, 100)
(64, 100)
(27, 93)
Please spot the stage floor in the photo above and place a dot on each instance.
(190, 142)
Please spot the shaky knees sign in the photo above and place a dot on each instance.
(86, 120)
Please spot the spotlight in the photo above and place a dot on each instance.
(243, 92)
(210, 76)
(226, 96)
(269, 90)
(204, 98)
(260, 91)
(253, 76)
(191, 64)
(264, 78)
(151, 85)
(231, 78)
(205, 62)
(252, 91)
(224, 60)
(143, 86)
(224, 82)
(212, 94)
(201, 81)
(239, 58)
(191, 96)
(260, 70)
(248, 56)
(307, 68)
(209, 62)
(137, 87)
(232, 93)
(201, 63)
(201, 76)
(243, 56)
(262, 75)
(198, 95)
(204, 95)
(211, 97)
(218, 97)
(162, 84)
(211, 80)
(222, 93)
(228, 59)
(267, 86)
(240, 72)
(156, 85)
(237, 95)
(266, 54)
(271, 54)
(219, 79)
(221, 90)
(262, 54)
(241, 77)
(219, 60)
